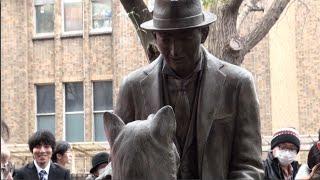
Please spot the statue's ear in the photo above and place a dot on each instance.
(112, 126)
(163, 125)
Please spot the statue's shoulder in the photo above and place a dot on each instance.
(142, 72)
(230, 70)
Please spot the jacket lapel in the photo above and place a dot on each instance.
(52, 171)
(33, 170)
(151, 87)
(211, 85)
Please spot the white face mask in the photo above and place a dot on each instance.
(285, 156)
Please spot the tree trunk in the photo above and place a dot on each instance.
(223, 40)
(139, 13)
(221, 32)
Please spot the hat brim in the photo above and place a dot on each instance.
(208, 19)
(93, 169)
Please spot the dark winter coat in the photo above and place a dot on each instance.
(272, 168)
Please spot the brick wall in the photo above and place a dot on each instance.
(26, 61)
(14, 69)
(308, 62)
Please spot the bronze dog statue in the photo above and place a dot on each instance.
(143, 149)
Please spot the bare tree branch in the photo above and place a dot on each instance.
(139, 8)
(262, 28)
(138, 13)
(234, 5)
(249, 6)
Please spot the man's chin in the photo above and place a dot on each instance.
(42, 162)
(178, 61)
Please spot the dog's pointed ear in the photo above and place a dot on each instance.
(163, 125)
(112, 126)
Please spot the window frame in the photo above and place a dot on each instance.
(46, 34)
(99, 111)
(77, 32)
(36, 108)
(73, 112)
(100, 30)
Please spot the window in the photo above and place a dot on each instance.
(101, 15)
(102, 101)
(45, 107)
(74, 115)
(72, 15)
(44, 16)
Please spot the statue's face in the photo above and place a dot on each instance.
(180, 48)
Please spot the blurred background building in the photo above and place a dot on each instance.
(62, 62)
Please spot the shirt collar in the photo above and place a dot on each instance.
(39, 168)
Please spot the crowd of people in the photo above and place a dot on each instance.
(50, 158)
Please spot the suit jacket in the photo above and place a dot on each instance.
(228, 124)
(29, 172)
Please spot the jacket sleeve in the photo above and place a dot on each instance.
(17, 175)
(246, 160)
(124, 105)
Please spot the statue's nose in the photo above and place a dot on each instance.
(175, 48)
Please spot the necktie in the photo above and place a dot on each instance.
(42, 173)
(182, 112)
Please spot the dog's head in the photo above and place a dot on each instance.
(143, 149)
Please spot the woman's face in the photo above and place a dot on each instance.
(66, 158)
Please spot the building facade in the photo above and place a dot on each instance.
(62, 62)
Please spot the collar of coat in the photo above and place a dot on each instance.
(212, 83)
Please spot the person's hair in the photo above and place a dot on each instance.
(319, 135)
(61, 148)
(313, 156)
(5, 134)
(42, 137)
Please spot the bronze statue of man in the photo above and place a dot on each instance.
(215, 103)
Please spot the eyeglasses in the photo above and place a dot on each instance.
(288, 147)
(6, 169)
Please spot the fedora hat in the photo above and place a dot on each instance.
(98, 159)
(178, 14)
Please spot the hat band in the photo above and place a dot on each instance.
(178, 23)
